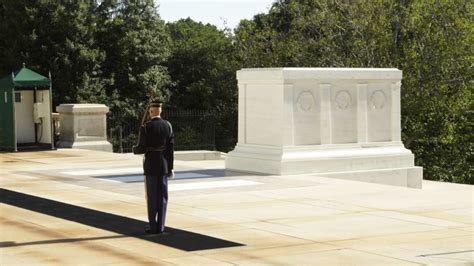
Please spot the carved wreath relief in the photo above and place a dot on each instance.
(305, 101)
(378, 99)
(343, 99)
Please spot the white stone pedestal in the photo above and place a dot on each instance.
(83, 126)
(339, 122)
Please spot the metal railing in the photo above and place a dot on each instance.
(193, 129)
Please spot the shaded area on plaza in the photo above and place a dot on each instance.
(176, 238)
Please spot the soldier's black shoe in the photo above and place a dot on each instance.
(151, 231)
(163, 233)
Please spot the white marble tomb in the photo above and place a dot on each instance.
(335, 122)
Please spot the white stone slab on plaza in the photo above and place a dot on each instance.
(335, 122)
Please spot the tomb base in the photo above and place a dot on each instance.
(389, 163)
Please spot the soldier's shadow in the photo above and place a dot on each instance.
(176, 238)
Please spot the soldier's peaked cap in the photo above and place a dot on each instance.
(156, 104)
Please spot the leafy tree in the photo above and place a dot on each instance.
(56, 36)
(136, 44)
(295, 33)
(202, 66)
(436, 52)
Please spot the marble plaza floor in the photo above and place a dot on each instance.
(86, 207)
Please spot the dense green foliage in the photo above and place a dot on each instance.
(137, 47)
(56, 37)
(203, 66)
(110, 51)
(120, 52)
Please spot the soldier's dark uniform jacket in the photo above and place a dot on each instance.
(156, 141)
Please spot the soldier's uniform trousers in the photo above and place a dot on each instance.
(157, 200)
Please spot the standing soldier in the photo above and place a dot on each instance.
(156, 140)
